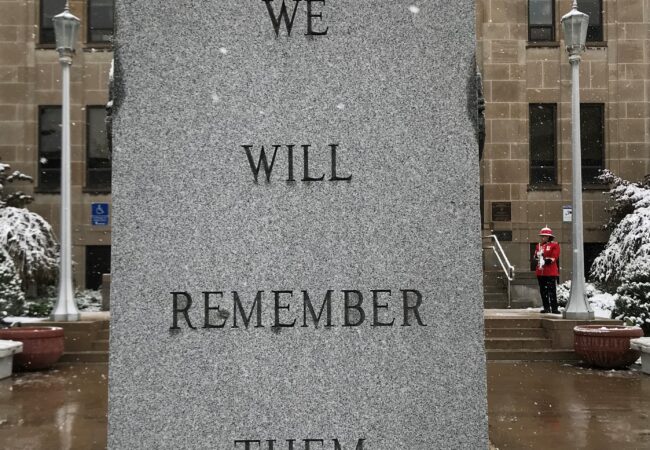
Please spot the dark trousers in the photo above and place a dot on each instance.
(549, 295)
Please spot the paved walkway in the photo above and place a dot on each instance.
(60, 409)
(551, 405)
(540, 405)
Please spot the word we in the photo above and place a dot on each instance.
(283, 15)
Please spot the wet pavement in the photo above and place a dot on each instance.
(539, 405)
(64, 408)
(551, 405)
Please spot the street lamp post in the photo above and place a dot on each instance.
(66, 26)
(575, 35)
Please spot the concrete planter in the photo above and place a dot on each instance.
(643, 345)
(606, 346)
(42, 346)
(7, 351)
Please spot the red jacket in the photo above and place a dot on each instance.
(550, 250)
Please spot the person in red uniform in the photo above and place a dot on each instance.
(547, 253)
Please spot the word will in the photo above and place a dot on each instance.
(286, 311)
(263, 163)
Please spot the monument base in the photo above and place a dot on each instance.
(582, 315)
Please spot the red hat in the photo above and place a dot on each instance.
(546, 231)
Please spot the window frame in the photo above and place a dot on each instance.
(40, 187)
(531, 256)
(41, 28)
(590, 249)
(554, 181)
(600, 27)
(94, 250)
(89, 30)
(90, 188)
(551, 26)
(593, 106)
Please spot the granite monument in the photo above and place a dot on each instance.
(296, 242)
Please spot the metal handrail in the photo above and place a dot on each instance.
(508, 269)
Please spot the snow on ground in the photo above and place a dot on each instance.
(12, 319)
(602, 304)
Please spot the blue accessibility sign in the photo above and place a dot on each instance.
(99, 214)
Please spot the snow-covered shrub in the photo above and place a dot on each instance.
(633, 305)
(623, 267)
(28, 250)
(17, 199)
(12, 298)
(601, 302)
(87, 301)
(626, 195)
(30, 242)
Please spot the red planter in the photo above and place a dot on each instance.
(42, 346)
(606, 346)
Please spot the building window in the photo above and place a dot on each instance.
(592, 140)
(532, 256)
(541, 20)
(49, 148)
(98, 155)
(48, 9)
(595, 10)
(591, 252)
(542, 143)
(100, 21)
(98, 262)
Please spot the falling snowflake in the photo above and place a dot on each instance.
(215, 98)
(43, 160)
(223, 50)
(414, 9)
(340, 106)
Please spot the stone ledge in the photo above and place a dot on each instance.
(560, 331)
(642, 345)
(79, 336)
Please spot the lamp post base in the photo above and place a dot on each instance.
(74, 317)
(578, 315)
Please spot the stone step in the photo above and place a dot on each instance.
(103, 334)
(487, 289)
(524, 303)
(89, 357)
(517, 343)
(531, 355)
(495, 300)
(487, 296)
(507, 322)
(515, 333)
(495, 280)
(495, 304)
(101, 345)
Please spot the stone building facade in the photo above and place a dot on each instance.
(30, 99)
(526, 169)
